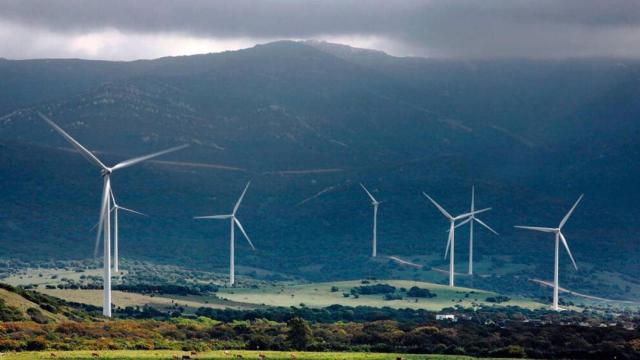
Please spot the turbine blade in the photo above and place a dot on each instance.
(136, 160)
(244, 232)
(442, 210)
(96, 224)
(113, 199)
(536, 228)
(217, 217)
(485, 225)
(566, 217)
(471, 213)
(473, 198)
(83, 151)
(132, 211)
(368, 193)
(103, 209)
(446, 250)
(566, 246)
(235, 208)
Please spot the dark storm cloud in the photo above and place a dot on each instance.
(464, 28)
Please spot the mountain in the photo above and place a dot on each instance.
(308, 121)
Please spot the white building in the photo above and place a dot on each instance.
(443, 317)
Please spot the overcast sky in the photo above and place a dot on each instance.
(134, 29)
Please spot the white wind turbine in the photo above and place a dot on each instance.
(451, 241)
(559, 237)
(375, 204)
(105, 213)
(471, 219)
(115, 208)
(234, 221)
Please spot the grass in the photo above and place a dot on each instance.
(43, 277)
(124, 299)
(320, 295)
(169, 354)
(311, 295)
(22, 304)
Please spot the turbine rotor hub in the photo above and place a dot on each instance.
(106, 172)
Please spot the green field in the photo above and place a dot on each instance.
(321, 295)
(310, 295)
(168, 354)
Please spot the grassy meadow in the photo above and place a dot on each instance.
(322, 295)
(275, 355)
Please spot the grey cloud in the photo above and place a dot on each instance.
(448, 28)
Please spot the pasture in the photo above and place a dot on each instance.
(171, 354)
(333, 293)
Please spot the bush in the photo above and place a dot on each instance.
(37, 344)
(420, 293)
(511, 351)
(393, 296)
(37, 316)
(373, 289)
(497, 299)
(9, 345)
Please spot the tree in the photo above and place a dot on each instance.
(299, 334)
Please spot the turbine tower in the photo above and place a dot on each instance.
(105, 213)
(115, 208)
(375, 204)
(234, 222)
(471, 219)
(451, 241)
(558, 237)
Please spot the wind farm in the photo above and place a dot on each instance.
(109, 206)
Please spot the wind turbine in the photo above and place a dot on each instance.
(559, 237)
(115, 208)
(451, 241)
(471, 219)
(375, 204)
(105, 213)
(234, 221)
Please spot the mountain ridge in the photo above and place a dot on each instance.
(531, 135)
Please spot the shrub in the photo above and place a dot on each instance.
(498, 299)
(420, 293)
(37, 316)
(373, 289)
(37, 344)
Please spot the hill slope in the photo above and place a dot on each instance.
(307, 123)
(17, 304)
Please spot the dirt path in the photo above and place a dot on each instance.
(590, 297)
(404, 262)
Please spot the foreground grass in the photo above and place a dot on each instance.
(169, 354)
